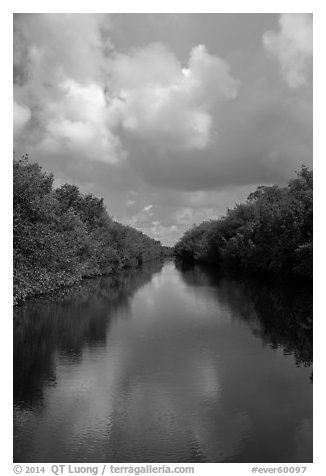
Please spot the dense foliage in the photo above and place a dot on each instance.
(271, 233)
(61, 235)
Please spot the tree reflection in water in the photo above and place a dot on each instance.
(65, 323)
(281, 314)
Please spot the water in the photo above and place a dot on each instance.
(164, 365)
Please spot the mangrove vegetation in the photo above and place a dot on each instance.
(270, 234)
(61, 235)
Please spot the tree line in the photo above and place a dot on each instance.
(271, 233)
(61, 235)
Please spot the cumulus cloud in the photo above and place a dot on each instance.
(80, 91)
(172, 214)
(52, 47)
(79, 121)
(60, 73)
(292, 46)
(21, 115)
(165, 124)
(165, 104)
(169, 225)
(167, 234)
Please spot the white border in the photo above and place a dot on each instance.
(318, 9)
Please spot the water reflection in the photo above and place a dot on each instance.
(280, 314)
(65, 323)
(177, 366)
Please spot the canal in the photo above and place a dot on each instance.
(162, 364)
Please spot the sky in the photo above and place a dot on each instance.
(171, 118)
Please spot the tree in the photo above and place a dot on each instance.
(271, 233)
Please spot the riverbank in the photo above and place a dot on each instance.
(40, 283)
(62, 236)
(270, 234)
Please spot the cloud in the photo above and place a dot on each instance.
(292, 46)
(167, 234)
(81, 92)
(59, 74)
(21, 115)
(172, 214)
(164, 104)
(51, 47)
(264, 135)
(79, 121)
(159, 123)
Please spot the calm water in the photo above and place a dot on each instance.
(164, 365)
